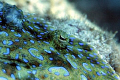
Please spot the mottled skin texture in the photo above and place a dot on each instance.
(38, 52)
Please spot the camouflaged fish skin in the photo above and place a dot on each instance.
(36, 51)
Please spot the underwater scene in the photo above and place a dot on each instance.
(31, 49)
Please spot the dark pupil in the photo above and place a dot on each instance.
(62, 38)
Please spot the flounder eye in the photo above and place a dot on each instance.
(62, 38)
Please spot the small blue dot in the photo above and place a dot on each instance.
(13, 76)
(30, 27)
(98, 73)
(18, 67)
(46, 42)
(4, 71)
(51, 59)
(80, 50)
(25, 60)
(47, 51)
(51, 48)
(32, 41)
(81, 44)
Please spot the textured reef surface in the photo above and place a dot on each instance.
(31, 49)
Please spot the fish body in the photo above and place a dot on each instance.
(36, 51)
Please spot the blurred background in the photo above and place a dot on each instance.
(105, 13)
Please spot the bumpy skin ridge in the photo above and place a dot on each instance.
(30, 49)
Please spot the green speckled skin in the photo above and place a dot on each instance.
(38, 52)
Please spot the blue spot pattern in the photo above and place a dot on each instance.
(31, 49)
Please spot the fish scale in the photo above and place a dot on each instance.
(39, 52)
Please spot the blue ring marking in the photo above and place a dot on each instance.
(93, 76)
(20, 48)
(0, 47)
(29, 72)
(46, 25)
(45, 28)
(47, 51)
(116, 77)
(33, 66)
(95, 54)
(40, 57)
(83, 77)
(73, 64)
(39, 30)
(85, 72)
(98, 62)
(23, 30)
(37, 78)
(73, 56)
(34, 18)
(8, 51)
(3, 32)
(39, 36)
(103, 62)
(10, 43)
(80, 50)
(25, 42)
(25, 60)
(3, 70)
(51, 48)
(81, 44)
(51, 29)
(72, 38)
(98, 73)
(12, 30)
(104, 74)
(58, 53)
(57, 73)
(102, 67)
(45, 75)
(38, 41)
(57, 68)
(88, 57)
(17, 56)
(42, 33)
(37, 27)
(38, 22)
(86, 51)
(18, 68)
(70, 48)
(0, 21)
(17, 35)
(91, 49)
(32, 41)
(34, 71)
(92, 65)
(12, 76)
(30, 27)
(5, 42)
(79, 56)
(3, 78)
(40, 65)
(85, 65)
(51, 59)
(4, 26)
(106, 66)
(91, 55)
(17, 40)
(46, 42)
